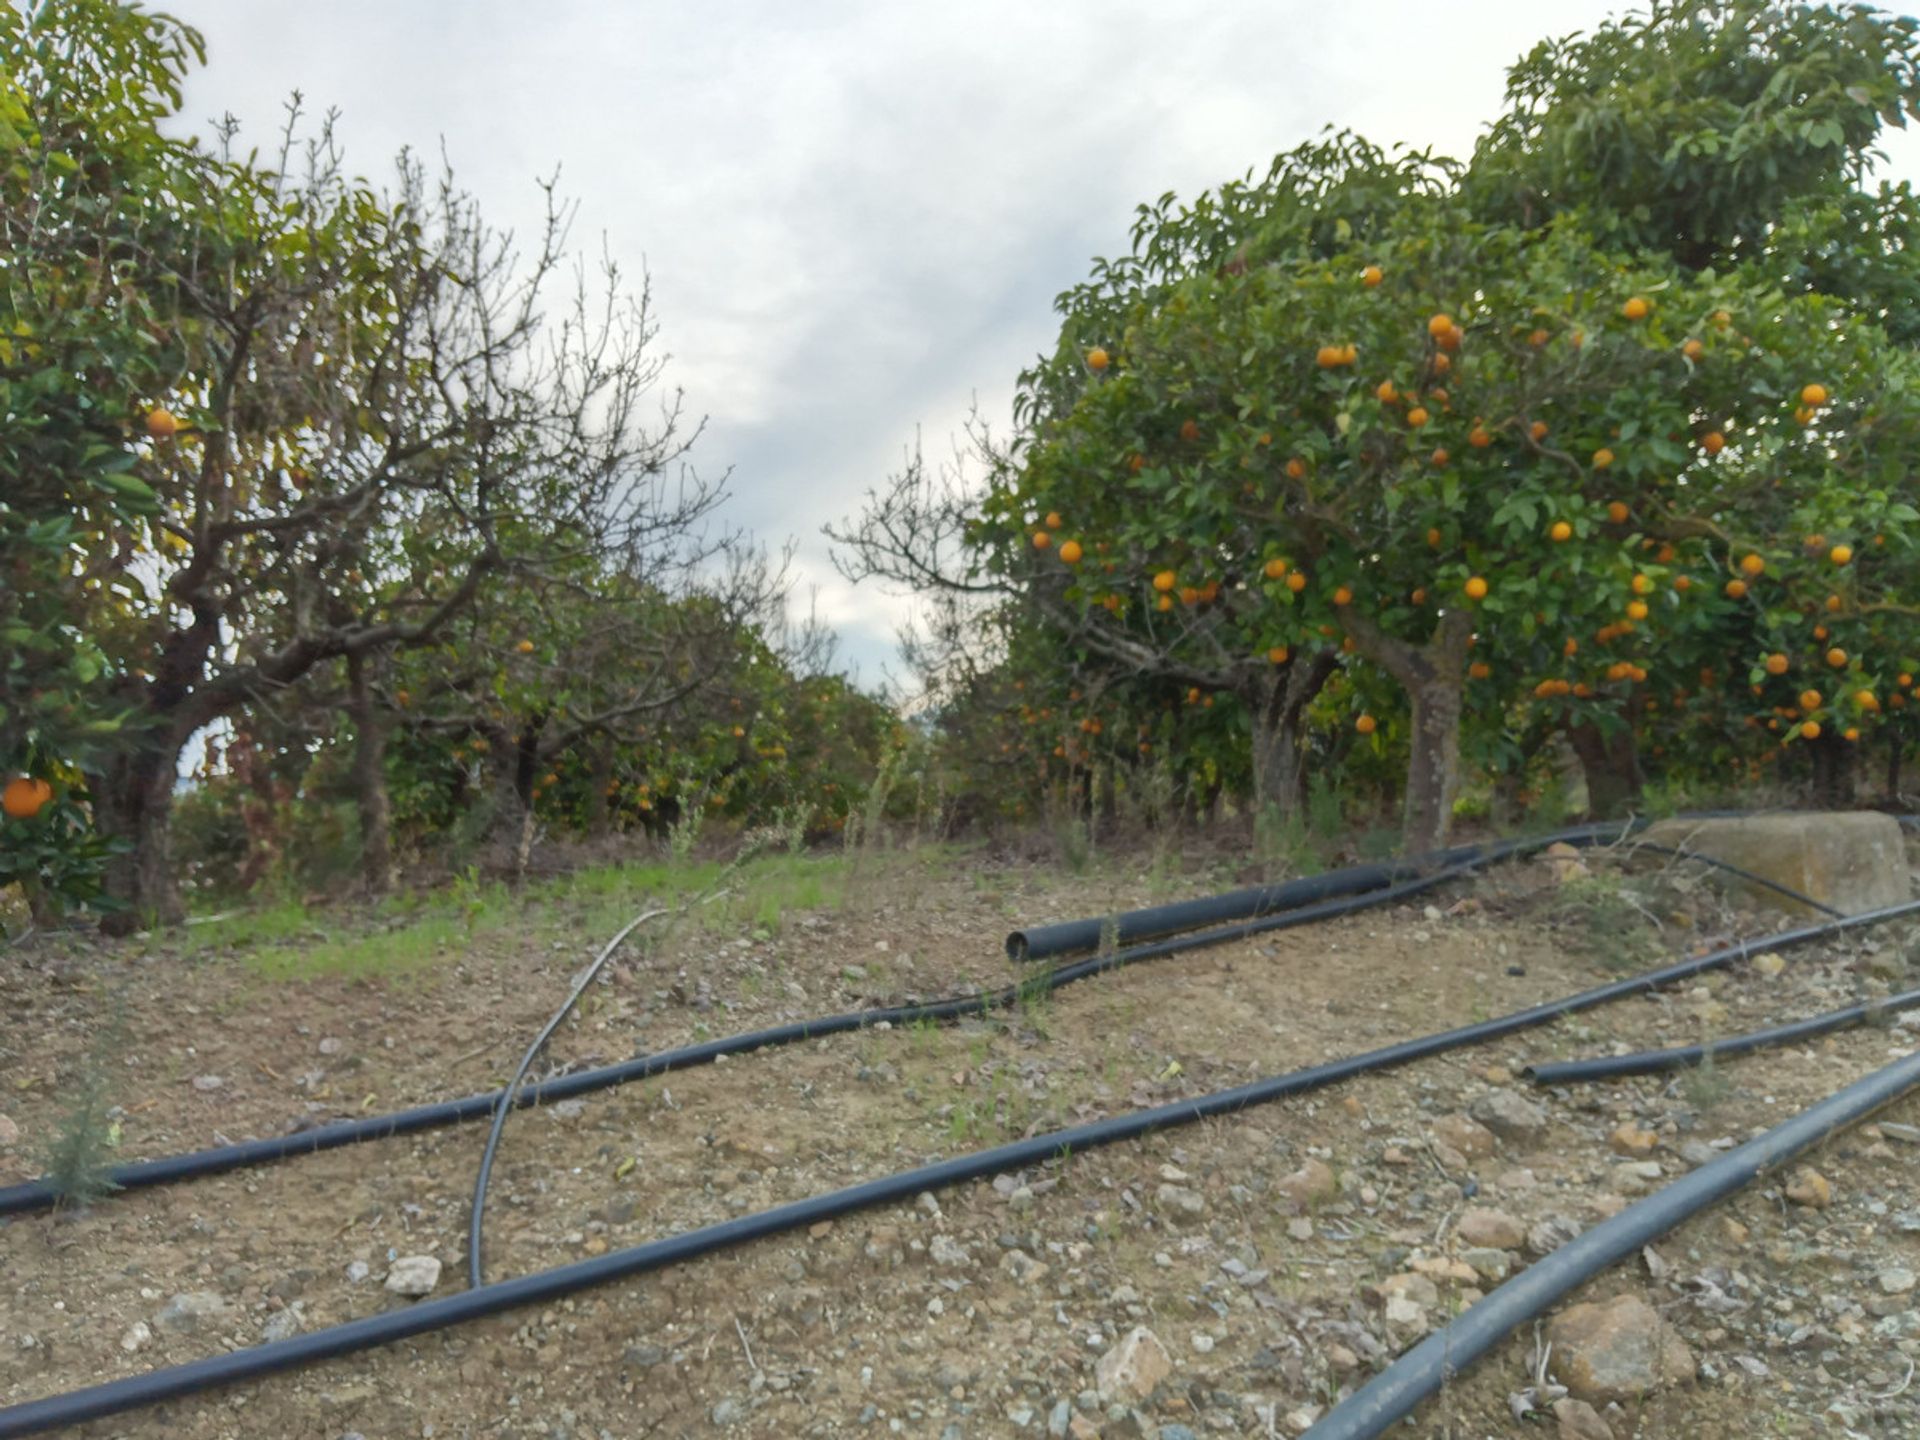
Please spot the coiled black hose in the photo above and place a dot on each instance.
(116, 1396)
(1682, 1057)
(166, 1170)
(1391, 1395)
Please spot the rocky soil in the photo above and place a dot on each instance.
(1230, 1278)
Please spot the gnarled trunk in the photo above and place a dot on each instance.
(369, 778)
(1832, 781)
(1434, 676)
(1433, 765)
(1610, 763)
(1277, 702)
(133, 804)
(599, 811)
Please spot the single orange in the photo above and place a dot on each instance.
(1276, 568)
(24, 797)
(1752, 565)
(1439, 325)
(1636, 308)
(1097, 358)
(1296, 582)
(1417, 416)
(1371, 276)
(1810, 730)
(1538, 430)
(1837, 658)
(1776, 664)
(1343, 596)
(1366, 724)
(1840, 554)
(1165, 581)
(1277, 655)
(1476, 588)
(1713, 442)
(1736, 589)
(1189, 430)
(1561, 531)
(161, 423)
(525, 647)
(1070, 552)
(1041, 539)
(1813, 396)
(1617, 512)
(1602, 458)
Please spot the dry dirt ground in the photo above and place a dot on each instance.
(979, 1311)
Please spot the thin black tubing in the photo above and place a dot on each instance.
(175, 1381)
(1747, 875)
(477, 1210)
(165, 1170)
(1682, 1057)
(1392, 1395)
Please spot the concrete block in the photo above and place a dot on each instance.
(1852, 860)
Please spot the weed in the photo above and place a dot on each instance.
(80, 1155)
(1598, 918)
(1706, 1084)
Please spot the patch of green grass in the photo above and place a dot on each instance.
(1596, 917)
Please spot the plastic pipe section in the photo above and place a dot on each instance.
(1682, 1057)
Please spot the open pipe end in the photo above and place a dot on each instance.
(1017, 946)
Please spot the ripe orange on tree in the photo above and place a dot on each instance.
(161, 423)
(1693, 350)
(1617, 512)
(1538, 430)
(525, 647)
(1366, 724)
(1343, 596)
(1296, 582)
(24, 797)
(1713, 442)
(1097, 358)
(1810, 700)
(1296, 469)
(1840, 554)
(1041, 540)
(1189, 430)
(1813, 396)
(1479, 438)
(1276, 568)
(1636, 308)
(1602, 458)
(1735, 589)
(1837, 658)
(1371, 276)
(1776, 664)
(1417, 416)
(1439, 325)
(1476, 588)
(1810, 730)
(1277, 655)
(1560, 531)
(1070, 552)
(1053, 520)
(1752, 565)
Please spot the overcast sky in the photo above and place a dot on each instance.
(856, 216)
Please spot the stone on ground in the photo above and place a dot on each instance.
(414, 1275)
(1133, 1367)
(1617, 1350)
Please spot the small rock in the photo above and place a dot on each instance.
(1491, 1229)
(1548, 1235)
(1633, 1177)
(139, 1335)
(1081, 1428)
(281, 1325)
(207, 1084)
(1734, 1230)
(1465, 1134)
(1579, 1421)
(729, 1411)
(1512, 1117)
(1810, 1188)
(1619, 1350)
(1769, 964)
(1632, 1139)
(9, 1133)
(357, 1271)
(1895, 1280)
(1203, 1342)
(1488, 1264)
(1310, 1185)
(413, 1275)
(1300, 1228)
(184, 1312)
(329, 1045)
(1181, 1199)
(1132, 1368)
(568, 1109)
(947, 1251)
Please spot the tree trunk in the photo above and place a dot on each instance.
(369, 778)
(1611, 765)
(1434, 677)
(1277, 702)
(133, 803)
(1433, 766)
(1895, 751)
(1832, 760)
(599, 812)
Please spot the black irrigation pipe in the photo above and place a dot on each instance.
(1392, 1395)
(166, 1170)
(1652, 1062)
(1700, 857)
(177, 1381)
(1040, 942)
